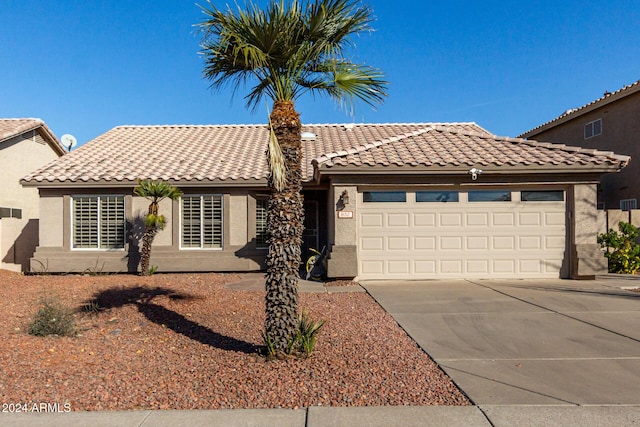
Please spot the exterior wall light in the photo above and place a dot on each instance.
(344, 197)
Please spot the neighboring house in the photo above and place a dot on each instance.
(25, 144)
(391, 201)
(610, 123)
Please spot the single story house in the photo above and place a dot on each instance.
(25, 144)
(391, 201)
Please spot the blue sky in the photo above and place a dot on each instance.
(86, 67)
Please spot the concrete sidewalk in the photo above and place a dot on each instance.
(410, 416)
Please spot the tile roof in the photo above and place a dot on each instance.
(450, 147)
(236, 153)
(572, 113)
(10, 128)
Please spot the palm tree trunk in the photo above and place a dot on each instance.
(285, 224)
(145, 252)
(147, 240)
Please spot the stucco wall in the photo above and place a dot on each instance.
(18, 157)
(620, 133)
(238, 254)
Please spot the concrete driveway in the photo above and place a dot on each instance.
(526, 342)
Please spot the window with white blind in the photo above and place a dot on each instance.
(261, 223)
(201, 222)
(98, 222)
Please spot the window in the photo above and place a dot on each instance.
(261, 223)
(201, 222)
(490, 196)
(592, 129)
(436, 196)
(10, 213)
(628, 204)
(98, 222)
(384, 196)
(542, 196)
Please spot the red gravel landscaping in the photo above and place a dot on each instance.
(184, 341)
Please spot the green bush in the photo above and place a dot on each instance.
(302, 344)
(621, 248)
(52, 318)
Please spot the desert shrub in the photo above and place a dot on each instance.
(621, 248)
(305, 340)
(52, 318)
(302, 344)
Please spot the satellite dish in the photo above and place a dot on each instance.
(69, 141)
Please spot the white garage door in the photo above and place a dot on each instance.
(465, 234)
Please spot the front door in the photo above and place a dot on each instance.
(310, 235)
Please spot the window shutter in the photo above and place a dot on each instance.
(85, 224)
(202, 221)
(112, 222)
(191, 222)
(212, 219)
(261, 223)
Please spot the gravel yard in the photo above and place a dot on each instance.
(184, 341)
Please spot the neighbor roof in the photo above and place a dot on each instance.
(10, 128)
(573, 113)
(235, 154)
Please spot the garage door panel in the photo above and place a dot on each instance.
(450, 219)
(424, 219)
(424, 243)
(372, 243)
(530, 266)
(372, 267)
(425, 267)
(530, 219)
(398, 243)
(477, 266)
(477, 243)
(451, 266)
(502, 243)
(461, 240)
(398, 219)
(504, 266)
(398, 267)
(371, 219)
(530, 242)
(477, 219)
(554, 218)
(554, 242)
(450, 243)
(503, 219)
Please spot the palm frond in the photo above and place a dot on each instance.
(277, 164)
(289, 48)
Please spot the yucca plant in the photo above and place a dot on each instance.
(287, 49)
(154, 191)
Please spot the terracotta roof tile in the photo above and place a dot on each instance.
(236, 153)
(10, 128)
(445, 146)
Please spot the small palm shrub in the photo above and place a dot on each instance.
(621, 248)
(302, 344)
(52, 318)
(305, 340)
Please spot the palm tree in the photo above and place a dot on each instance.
(286, 50)
(155, 191)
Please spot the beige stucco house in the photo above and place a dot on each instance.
(391, 201)
(610, 123)
(25, 144)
